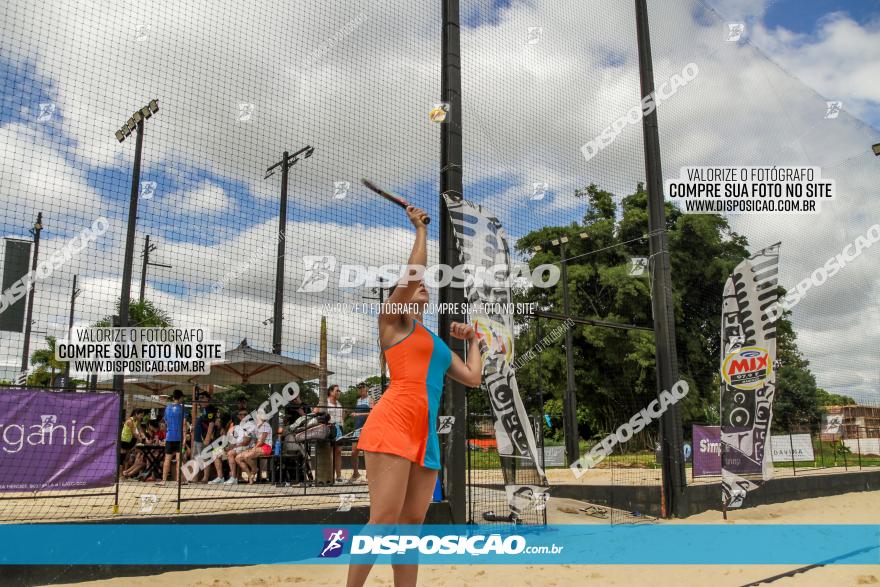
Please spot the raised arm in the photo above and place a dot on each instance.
(418, 259)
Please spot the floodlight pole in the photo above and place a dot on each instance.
(455, 396)
(29, 314)
(279, 260)
(125, 294)
(661, 282)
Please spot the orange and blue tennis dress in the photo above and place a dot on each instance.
(403, 422)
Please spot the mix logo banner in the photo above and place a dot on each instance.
(748, 381)
(482, 242)
(55, 441)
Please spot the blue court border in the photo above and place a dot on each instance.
(242, 544)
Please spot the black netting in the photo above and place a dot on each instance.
(239, 86)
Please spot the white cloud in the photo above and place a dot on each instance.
(205, 198)
(842, 61)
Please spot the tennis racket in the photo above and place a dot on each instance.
(392, 197)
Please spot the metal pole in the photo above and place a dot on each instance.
(383, 376)
(538, 371)
(791, 443)
(661, 282)
(119, 421)
(454, 398)
(569, 403)
(279, 266)
(540, 404)
(73, 294)
(180, 458)
(125, 294)
(278, 304)
(144, 264)
(859, 444)
(26, 347)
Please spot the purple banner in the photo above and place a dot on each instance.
(57, 440)
(707, 450)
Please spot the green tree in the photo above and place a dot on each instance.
(614, 369)
(141, 314)
(832, 399)
(47, 366)
(796, 400)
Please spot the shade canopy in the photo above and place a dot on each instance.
(245, 364)
(150, 385)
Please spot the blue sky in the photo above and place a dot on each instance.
(802, 16)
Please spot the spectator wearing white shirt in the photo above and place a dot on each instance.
(262, 446)
(337, 416)
(240, 440)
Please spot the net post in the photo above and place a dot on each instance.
(120, 420)
(661, 281)
(455, 396)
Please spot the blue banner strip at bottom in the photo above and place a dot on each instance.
(198, 544)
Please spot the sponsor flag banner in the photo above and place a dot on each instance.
(748, 380)
(16, 264)
(482, 242)
(707, 450)
(57, 440)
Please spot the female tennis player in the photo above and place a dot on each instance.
(399, 439)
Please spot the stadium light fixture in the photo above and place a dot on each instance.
(584, 235)
(876, 149)
(138, 117)
(563, 239)
(555, 242)
(538, 248)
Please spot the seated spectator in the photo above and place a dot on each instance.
(128, 437)
(240, 440)
(139, 466)
(161, 432)
(247, 460)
